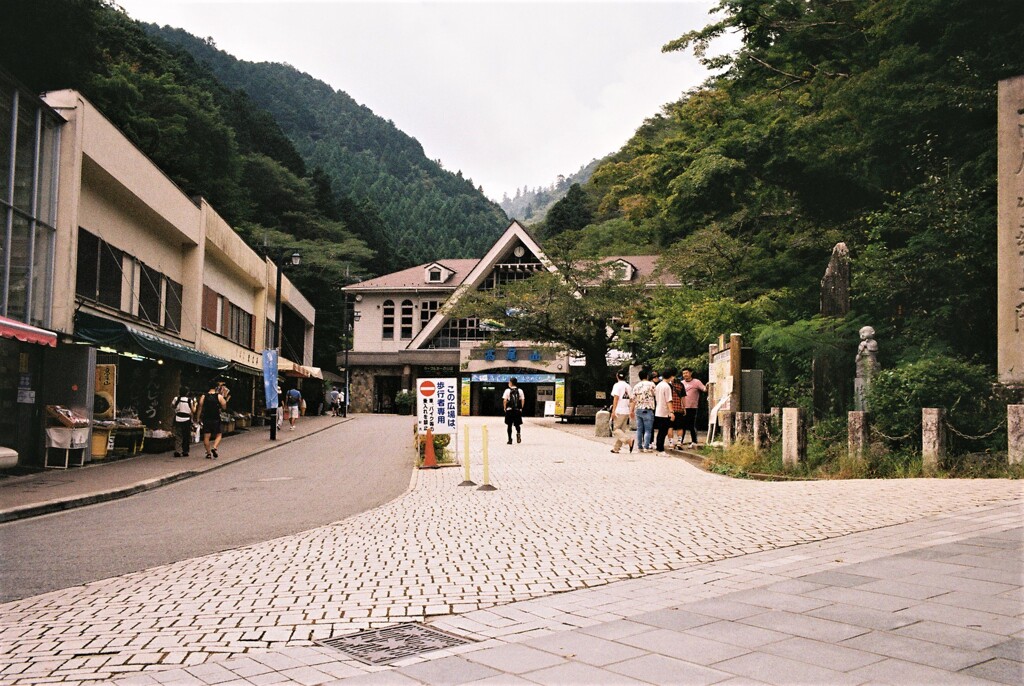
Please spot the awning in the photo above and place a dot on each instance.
(292, 369)
(19, 331)
(245, 369)
(107, 332)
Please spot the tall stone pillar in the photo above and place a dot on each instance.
(857, 432)
(794, 436)
(830, 370)
(933, 439)
(1010, 271)
(735, 370)
(762, 431)
(727, 424)
(1015, 433)
(744, 427)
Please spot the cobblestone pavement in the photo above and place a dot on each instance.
(567, 515)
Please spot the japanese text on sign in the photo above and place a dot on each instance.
(437, 405)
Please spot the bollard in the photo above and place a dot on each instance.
(933, 439)
(487, 466)
(465, 458)
(762, 431)
(1015, 434)
(727, 423)
(744, 427)
(857, 435)
(429, 458)
(602, 424)
(794, 436)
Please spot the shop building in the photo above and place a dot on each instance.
(134, 288)
(401, 332)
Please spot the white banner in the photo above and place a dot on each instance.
(437, 405)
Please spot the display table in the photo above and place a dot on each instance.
(66, 439)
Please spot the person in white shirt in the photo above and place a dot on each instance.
(621, 413)
(663, 414)
(642, 404)
(512, 401)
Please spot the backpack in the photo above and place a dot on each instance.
(182, 409)
(293, 397)
(515, 401)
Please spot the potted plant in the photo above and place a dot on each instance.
(404, 402)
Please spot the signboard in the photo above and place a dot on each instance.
(560, 396)
(465, 397)
(105, 402)
(270, 378)
(437, 405)
(520, 378)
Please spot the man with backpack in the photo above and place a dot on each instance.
(512, 401)
(293, 399)
(184, 408)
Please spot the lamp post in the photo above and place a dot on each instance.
(348, 345)
(291, 257)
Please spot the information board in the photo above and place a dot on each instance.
(437, 405)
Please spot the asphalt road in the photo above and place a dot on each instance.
(351, 468)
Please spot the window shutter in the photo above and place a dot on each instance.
(209, 309)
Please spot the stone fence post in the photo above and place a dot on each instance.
(1015, 433)
(744, 427)
(857, 434)
(727, 424)
(762, 431)
(794, 436)
(933, 439)
(776, 415)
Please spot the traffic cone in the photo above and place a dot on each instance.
(429, 458)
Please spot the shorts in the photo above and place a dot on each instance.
(293, 412)
(679, 423)
(514, 418)
(212, 428)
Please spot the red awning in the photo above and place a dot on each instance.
(19, 331)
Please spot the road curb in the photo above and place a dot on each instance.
(51, 506)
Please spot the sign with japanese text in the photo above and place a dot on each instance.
(437, 405)
(465, 397)
(105, 401)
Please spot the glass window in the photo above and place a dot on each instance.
(172, 305)
(46, 207)
(87, 264)
(406, 319)
(239, 327)
(41, 282)
(428, 308)
(110, 275)
(17, 292)
(388, 326)
(6, 111)
(150, 288)
(24, 158)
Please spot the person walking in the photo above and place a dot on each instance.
(184, 409)
(621, 412)
(208, 413)
(663, 414)
(642, 407)
(691, 401)
(512, 401)
(292, 400)
(676, 431)
(335, 401)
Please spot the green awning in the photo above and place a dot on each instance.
(118, 335)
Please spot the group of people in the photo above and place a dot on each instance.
(657, 403)
(204, 412)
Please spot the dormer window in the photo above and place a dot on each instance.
(436, 273)
(434, 276)
(621, 270)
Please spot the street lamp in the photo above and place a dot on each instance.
(348, 345)
(293, 258)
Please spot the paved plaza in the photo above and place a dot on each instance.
(584, 567)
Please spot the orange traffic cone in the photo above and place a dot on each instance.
(429, 458)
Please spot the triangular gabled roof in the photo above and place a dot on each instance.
(515, 233)
(412, 278)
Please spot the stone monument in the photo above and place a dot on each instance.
(1010, 272)
(830, 369)
(867, 366)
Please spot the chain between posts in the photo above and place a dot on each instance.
(975, 438)
(893, 438)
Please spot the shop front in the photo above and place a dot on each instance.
(485, 370)
(22, 352)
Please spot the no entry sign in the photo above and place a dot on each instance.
(437, 405)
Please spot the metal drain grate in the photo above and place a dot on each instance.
(384, 646)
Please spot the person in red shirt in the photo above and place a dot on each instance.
(691, 399)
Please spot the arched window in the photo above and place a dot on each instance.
(388, 327)
(406, 320)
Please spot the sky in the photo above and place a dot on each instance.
(512, 93)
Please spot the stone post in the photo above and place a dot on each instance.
(933, 439)
(744, 427)
(727, 424)
(857, 432)
(1015, 433)
(762, 431)
(735, 370)
(776, 415)
(602, 427)
(1010, 220)
(794, 436)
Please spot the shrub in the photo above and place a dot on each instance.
(404, 402)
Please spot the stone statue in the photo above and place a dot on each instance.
(867, 366)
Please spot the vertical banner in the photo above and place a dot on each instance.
(465, 397)
(270, 378)
(105, 402)
(560, 395)
(437, 405)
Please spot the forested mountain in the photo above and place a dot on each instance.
(866, 121)
(531, 206)
(428, 212)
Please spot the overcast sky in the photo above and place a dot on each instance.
(512, 93)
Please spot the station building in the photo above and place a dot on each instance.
(401, 332)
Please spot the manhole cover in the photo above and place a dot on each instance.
(384, 646)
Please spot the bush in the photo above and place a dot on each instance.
(964, 389)
(404, 402)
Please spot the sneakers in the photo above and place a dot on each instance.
(510, 441)
(177, 454)
(662, 453)
(293, 427)
(209, 456)
(215, 456)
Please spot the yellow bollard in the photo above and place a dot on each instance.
(487, 467)
(465, 458)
